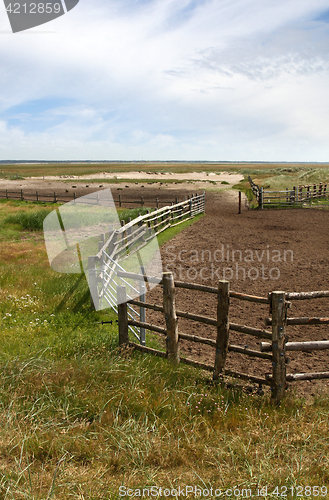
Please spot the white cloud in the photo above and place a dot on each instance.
(231, 80)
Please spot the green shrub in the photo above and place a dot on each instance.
(131, 212)
(32, 221)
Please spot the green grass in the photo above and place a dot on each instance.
(253, 168)
(125, 213)
(32, 221)
(79, 417)
(280, 179)
(172, 231)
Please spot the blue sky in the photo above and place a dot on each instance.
(165, 79)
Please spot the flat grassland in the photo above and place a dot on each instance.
(79, 419)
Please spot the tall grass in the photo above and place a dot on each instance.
(32, 221)
(79, 418)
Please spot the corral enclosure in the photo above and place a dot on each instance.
(56, 434)
(258, 252)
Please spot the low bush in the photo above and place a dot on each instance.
(32, 221)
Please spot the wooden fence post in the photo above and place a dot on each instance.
(92, 273)
(261, 198)
(170, 317)
(239, 212)
(122, 315)
(223, 302)
(142, 310)
(279, 313)
(129, 228)
(37, 196)
(22, 195)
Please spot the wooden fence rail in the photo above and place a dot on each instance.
(115, 246)
(273, 351)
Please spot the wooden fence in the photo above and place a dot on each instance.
(128, 240)
(295, 197)
(274, 350)
(120, 201)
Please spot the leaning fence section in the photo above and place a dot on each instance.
(273, 345)
(119, 247)
(298, 196)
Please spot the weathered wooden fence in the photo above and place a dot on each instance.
(296, 197)
(274, 350)
(104, 268)
(120, 201)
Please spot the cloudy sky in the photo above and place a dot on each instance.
(169, 79)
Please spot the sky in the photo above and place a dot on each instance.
(203, 80)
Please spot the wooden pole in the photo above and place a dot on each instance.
(22, 195)
(170, 317)
(261, 201)
(37, 196)
(120, 202)
(122, 315)
(92, 273)
(223, 303)
(142, 310)
(279, 314)
(239, 202)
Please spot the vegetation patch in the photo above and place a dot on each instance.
(80, 418)
(32, 221)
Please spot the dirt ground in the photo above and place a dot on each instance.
(258, 252)
(292, 255)
(154, 185)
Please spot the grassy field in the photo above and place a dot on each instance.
(14, 171)
(79, 418)
(278, 179)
